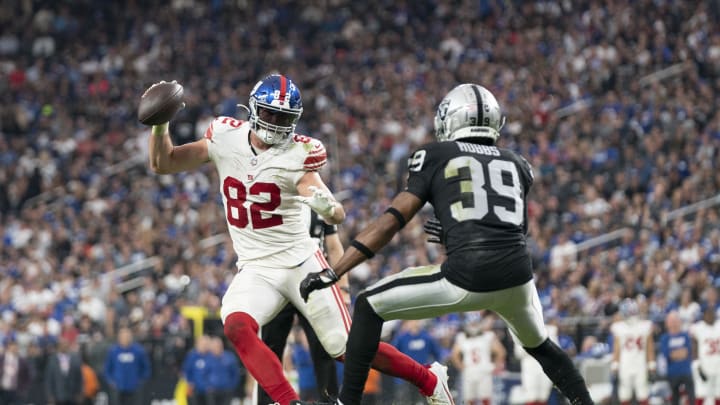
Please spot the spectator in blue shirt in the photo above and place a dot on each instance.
(196, 371)
(417, 343)
(224, 373)
(127, 366)
(675, 346)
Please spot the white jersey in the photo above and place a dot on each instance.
(632, 336)
(708, 341)
(267, 225)
(477, 352)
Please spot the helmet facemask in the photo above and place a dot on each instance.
(285, 120)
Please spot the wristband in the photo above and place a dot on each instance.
(362, 248)
(614, 366)
(394, 212)
(652, 365)
(159, 130)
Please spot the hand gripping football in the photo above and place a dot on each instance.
(160, 103)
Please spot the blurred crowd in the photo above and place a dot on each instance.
(612, 102)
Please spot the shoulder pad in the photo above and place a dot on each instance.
(420, 158)
(222, 124)
(315, 153)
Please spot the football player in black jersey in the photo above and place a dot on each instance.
(478, 192)
(275, 333)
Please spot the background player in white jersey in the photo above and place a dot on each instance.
(536, 387)
(478, 353)
(707, 368)
(633, 354)
(266, 173)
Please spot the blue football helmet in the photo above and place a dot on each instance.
(275, 96)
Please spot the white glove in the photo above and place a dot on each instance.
(321, 202)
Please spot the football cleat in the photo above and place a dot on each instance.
(441, 395)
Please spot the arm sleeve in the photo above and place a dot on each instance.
(220, 128)
(316, 157)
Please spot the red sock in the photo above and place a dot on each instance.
(241, 329)
(391, 361)
(717, 402)
(485, 401)
(643, 402)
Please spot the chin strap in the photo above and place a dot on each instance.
(244, 107)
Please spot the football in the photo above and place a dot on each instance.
(160, 103)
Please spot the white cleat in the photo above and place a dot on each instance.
(441, 395)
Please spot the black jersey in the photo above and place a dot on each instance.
(479, 195)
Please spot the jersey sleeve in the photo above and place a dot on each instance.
(316, 156)
(215, 135)
(527, 168)
(421, 167)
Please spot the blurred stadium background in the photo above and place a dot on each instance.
(613, 102)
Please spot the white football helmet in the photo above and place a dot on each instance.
(468, 111)
(629, 309)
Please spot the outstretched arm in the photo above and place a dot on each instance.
(379, 232)
(370, 240)
(165, 158)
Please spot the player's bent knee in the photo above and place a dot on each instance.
(362, 304)
(334, 343)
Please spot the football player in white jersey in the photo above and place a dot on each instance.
(633, 354)
(707, 367)
(536, 386)
(266, 173)
(478, 354)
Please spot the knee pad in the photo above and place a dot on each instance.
(335, 345)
